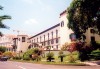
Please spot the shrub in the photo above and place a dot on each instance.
(17, 58)
(36, 57)
(72, 57)
(0, 54)
(61, 55)
(84, 50)
(50, 56)
(2, 49)
(37, 51)
(95, 54)
(8, 54)
(33, 54)
(27, 54)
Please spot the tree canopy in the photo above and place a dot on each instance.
(84, 14)
(2, 49)
(3, 17)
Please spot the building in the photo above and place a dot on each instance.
(91, 36)
(54, 36)
(59, 34)
(15, 43)
(7, 41)
(22, 43)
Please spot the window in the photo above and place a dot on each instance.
(56, 36)
(23, 39)
(52, 41)
(92, 38)
(56, 40)
(48, 39)
(37, 40)
(34, 40)
(44, 43)
(52, 34)
(40, 38)
(19, 39)
(62, 23)
(48, 36)
(56, 33)
(48, 42)
(92, 31)
(44, 40)
(56, 46)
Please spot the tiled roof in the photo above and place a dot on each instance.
(46, 30)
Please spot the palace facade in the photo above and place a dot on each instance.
(54, 37)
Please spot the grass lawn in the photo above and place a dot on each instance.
(56, 61)
(51, 63)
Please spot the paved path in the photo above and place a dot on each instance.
(93, 63)
(20, 65)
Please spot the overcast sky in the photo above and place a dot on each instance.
(32, 16)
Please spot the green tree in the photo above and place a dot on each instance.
(61, 55)
(36, 55)
(84, 14)
(2, 49)
(95, 54)
(33, 54)
(27, 54)
(8, 54)
(3, 17)
(50, 56)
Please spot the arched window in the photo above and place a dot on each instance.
(40, 38)
(62, 23)
(37, 40)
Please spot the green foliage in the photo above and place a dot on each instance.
(95, 54)
(2, 49)
(61, 55)
(50, 56)
(84, 14)
(85, 50)
(26, 55)
(37, 54)
(33, 54)
(72, 57)
(61, 52)
(37, 51)
(8, 54)
(17, 58)
(3, 18)
(36, 57)
(65, 46)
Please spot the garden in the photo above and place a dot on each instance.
(70, 54)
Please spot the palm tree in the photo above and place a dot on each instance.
(3, 17)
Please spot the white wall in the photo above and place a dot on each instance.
(64, 31)
(22, 46)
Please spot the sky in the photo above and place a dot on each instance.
(31, 16)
